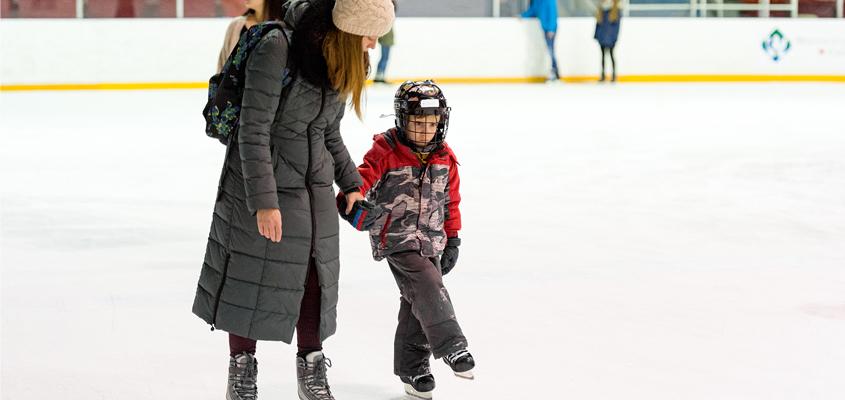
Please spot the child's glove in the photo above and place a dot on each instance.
(450, 255)
(363, 215)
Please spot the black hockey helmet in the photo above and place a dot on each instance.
(421, 98)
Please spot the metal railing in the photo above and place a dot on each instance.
(80, 8)
(704, 8)
(695, 8)
(701, 8)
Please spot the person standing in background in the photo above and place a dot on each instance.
(257, 11)
(607, 31)
(546, 12)
(386, 42)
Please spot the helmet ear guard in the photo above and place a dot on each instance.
(421, 98)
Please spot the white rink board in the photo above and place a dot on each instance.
(170, 50)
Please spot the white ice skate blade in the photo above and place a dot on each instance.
(415, 394)
(465, 375)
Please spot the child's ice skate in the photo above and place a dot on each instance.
(420, 386)
(461, 363)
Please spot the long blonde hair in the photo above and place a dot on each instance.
(348, 65)
(614, 12)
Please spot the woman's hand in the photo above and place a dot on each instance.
(270, 224)
(351, 198)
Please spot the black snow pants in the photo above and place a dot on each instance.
(427, 323)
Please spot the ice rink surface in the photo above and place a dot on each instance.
(654, 241)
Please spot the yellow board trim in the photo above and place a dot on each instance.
(464, 80)
(106, 86)
(732, 78)
(648, 78)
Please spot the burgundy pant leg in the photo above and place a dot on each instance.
(238, 345)
(308, 326)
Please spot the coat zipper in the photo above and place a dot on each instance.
(225, 271)
(422, 179)
(308, 174)
(229, 234)
(220, 288)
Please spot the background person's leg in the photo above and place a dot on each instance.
(612, 63)
(603, 51)
(550, 46)
(382, 63)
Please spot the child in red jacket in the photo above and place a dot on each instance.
(411, 183)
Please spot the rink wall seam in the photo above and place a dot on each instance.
(70, 54)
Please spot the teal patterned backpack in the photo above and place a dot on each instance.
(226, 89)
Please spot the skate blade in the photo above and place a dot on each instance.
(415, 394)
(465, 375)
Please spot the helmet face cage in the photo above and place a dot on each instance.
(421, 98)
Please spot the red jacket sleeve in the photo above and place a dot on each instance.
(372, 168)
(453, 213)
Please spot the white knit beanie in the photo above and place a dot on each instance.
(364, 17)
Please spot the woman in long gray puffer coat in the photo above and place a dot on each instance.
(271, 264)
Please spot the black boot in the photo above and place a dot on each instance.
(461, 363)
(419, 386)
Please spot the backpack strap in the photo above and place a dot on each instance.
(288, 76)
(225, 89)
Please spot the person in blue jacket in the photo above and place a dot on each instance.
(546, 12)
(607, 31)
